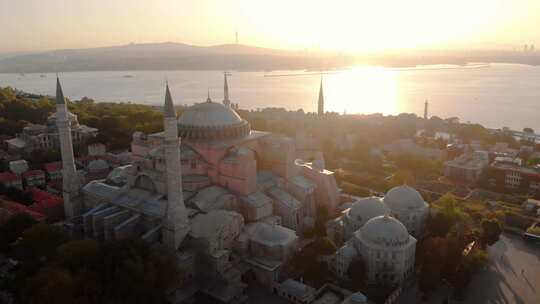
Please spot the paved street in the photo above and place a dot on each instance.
(260, 295)
(504, 281)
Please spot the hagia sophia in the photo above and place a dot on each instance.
(232, 201)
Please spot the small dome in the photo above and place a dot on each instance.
(358, 298)
(404, 198)
(366, 209)
(348, 251)
(211, 121)
(270, 234)
(383, 230)
(97, 165)
(119, 175)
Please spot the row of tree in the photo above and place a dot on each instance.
(116, 121)
(444, 255)
(56, 269)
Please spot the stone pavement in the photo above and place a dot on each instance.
(513, 275)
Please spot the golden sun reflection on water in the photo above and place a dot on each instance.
(363, 90)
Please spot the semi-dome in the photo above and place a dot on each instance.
(366, 209)
(270, 235)
(211, 121)
(97, 165)
(384, 231)
(404, 198)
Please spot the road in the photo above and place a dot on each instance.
(502, 282)
(513, 275)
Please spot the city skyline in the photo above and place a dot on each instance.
(382, 25)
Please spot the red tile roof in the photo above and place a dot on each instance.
(33, 172)
(109, 159)
(53, 166)
(85, 158)
(5, 137)
(43, 199)
(14, 208)
(6, 176)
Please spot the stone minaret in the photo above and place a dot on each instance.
(426, 110)
(70, 184)
(176, 223)
(226, 100)
(320, 104)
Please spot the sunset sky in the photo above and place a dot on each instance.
(346, 25)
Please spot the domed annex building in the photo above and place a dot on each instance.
(380, 232)
(386, 248)
(230, 200)
(38, 137)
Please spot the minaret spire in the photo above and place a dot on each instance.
(59, 94)
(70, 180)
(208, 98)
(176, 225)
(226, 100)
(320, 104)
(169, 107)
(426, 110)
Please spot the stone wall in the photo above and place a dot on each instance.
(128, 228)
(111, 221)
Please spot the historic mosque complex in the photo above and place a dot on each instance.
(233, 202)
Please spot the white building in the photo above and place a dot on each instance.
(43, 137)
(343, 227)
(386, 248)
(467, 167)
(408, 206)
(381, 232)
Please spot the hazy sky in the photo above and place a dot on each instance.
(348, 25)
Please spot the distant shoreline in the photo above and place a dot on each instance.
(419, 67)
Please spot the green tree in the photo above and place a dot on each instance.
(434, 252)
(490, 231)
(135, 272)
(320, 221)
(13, 228)
(38, 243)
(402, 177)
(324, 246)
(50, 285)
(78, 255)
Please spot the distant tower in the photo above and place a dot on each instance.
(320, 104)
(176, 222)
(208, 99)
(236, 37)
(226, 100)
(426, 110)
(70, 179)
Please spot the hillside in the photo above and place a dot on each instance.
(157, 56)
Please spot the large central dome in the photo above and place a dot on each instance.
(211, 121)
